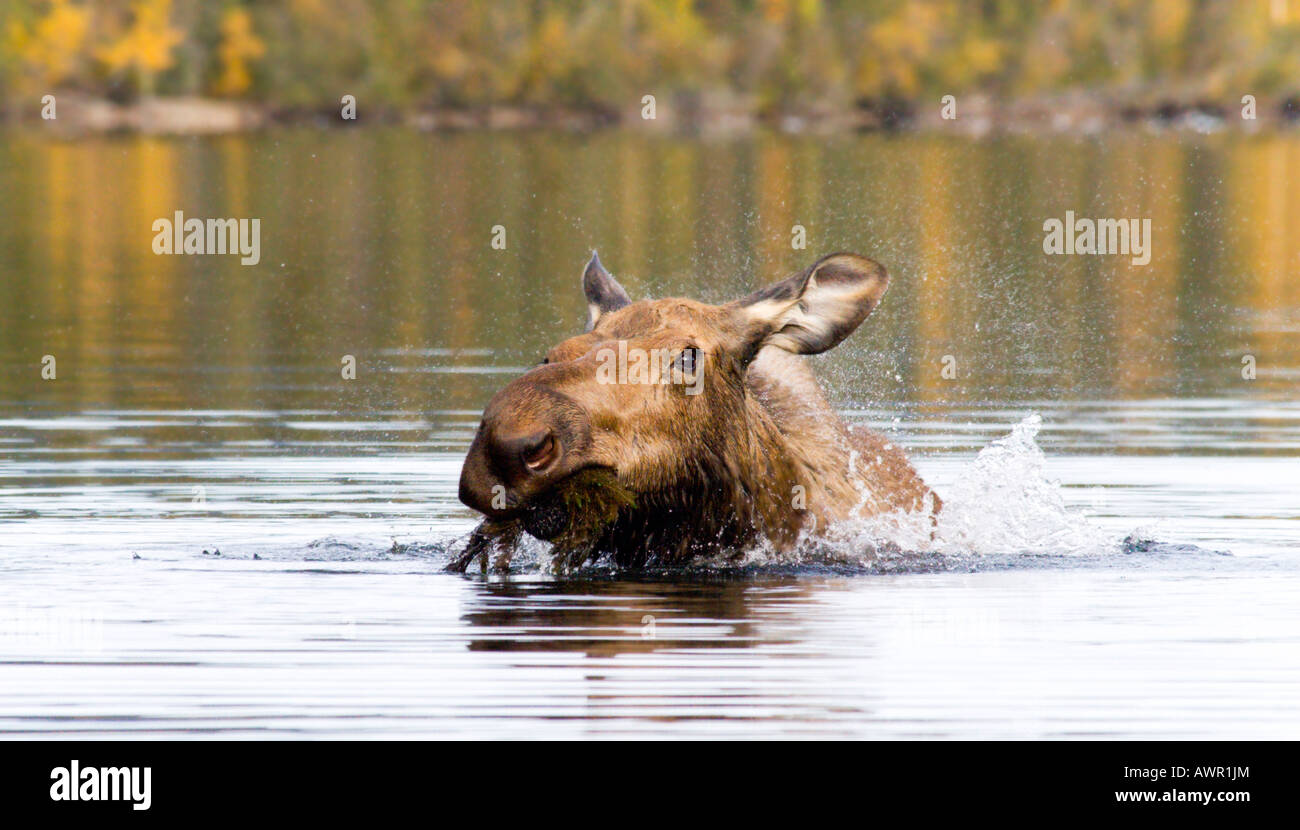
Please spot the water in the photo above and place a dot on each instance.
(199, 407)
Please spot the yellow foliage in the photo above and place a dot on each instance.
(413, 53)
(238, 46)
(675, 29)
(53, 49)
(896, 48)
(980, 56)
(810, 12)
(147, 45)
(1168, 19)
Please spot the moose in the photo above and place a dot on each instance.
(728, 442)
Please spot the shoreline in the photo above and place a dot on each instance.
(973, 115)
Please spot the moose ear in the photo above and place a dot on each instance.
(604, 294)
(817, 308)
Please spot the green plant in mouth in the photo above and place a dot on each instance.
(489, 536)
(589, 501)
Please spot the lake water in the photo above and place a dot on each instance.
(1122, 560)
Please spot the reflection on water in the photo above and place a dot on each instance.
(198, 516)
(606, 618)
(377, 244)
(391, 649)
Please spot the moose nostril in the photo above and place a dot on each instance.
(540, 451)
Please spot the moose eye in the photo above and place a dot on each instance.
(687, 360)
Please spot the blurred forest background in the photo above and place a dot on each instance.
(761, 57)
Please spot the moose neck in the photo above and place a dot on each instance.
(738, 490)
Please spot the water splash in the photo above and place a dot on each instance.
(1005, 503)
(1002, 503)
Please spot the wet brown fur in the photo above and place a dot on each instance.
(710, 473)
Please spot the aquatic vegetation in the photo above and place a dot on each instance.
(578, 513)
(591, 501)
